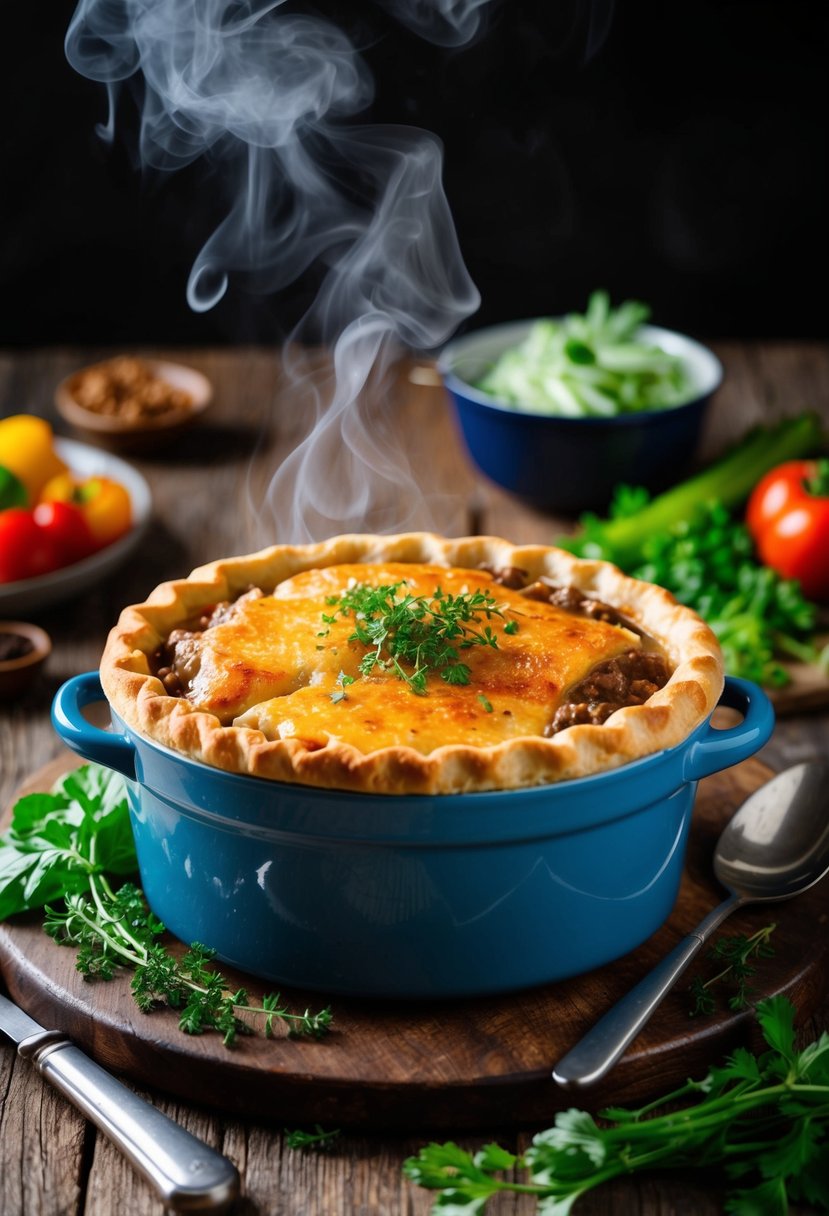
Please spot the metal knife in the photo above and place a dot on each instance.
(186, 1175)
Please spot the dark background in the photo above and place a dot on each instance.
(678, 156)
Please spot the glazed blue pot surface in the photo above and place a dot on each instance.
(573, 464)
(409, 895)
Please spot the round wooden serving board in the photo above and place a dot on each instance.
(439, 1065)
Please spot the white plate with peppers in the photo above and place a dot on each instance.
(70, 514)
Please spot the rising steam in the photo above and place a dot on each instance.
(273, 97)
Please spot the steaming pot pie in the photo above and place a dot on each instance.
(252, 665)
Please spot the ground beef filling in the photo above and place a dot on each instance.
(176, 662)
(629, 679)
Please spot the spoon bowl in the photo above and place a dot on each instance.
(774, 847)
(777, 844)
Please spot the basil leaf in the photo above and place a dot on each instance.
(57, 840)
(31, 878)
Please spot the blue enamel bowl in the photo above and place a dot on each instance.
(403, 895)
(574, 464)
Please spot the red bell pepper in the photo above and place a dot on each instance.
(26, 550)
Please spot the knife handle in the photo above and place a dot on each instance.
(187, 1175)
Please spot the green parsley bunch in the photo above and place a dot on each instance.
(763, 1120)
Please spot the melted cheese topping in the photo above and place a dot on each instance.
(276, 663)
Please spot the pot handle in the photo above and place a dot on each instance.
(718, 749)
(99, 746)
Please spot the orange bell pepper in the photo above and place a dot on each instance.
(105, 504)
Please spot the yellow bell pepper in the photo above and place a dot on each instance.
(26, 450)
(106, 504)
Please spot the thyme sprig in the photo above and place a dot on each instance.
(113, 929)
(737, 952)
(415, 636)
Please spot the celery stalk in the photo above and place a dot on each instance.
(729, 481)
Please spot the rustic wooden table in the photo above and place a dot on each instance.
(53, 1163)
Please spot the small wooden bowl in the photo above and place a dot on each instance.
(16, 674)
(148, 432)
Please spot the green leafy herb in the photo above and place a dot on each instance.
(737, 952)
(485, 701)
(343, 681)
(57, 840)
(317, 1139)
(688, 541)
(596, 363)
(71, 845)
(416, 636)
(757, 615)
(763, 1120)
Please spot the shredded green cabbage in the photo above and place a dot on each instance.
(589, 365)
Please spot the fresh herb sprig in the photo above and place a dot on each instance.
(318, 1139)
(73, 845)
(738, 952)
(762, 1119)
(415, 636)
(757, 615)
(113, 929)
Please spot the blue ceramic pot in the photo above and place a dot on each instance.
(411, 896)
(574, 464)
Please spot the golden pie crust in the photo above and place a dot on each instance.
(264, 696)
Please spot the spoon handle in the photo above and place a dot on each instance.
(597, 1052)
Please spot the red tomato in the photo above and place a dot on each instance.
(25, 549)
(66, 526)
(105, 504)
(789, 521)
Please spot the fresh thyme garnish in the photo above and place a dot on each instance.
(343, 681)
(416, 636)
(317, 1139)
(737, 952)
(487, 704)
(75, 844)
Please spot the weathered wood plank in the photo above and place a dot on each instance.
(42, 1145)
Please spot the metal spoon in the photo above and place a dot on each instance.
(774, 847)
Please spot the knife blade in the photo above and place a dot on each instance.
(186, 1174)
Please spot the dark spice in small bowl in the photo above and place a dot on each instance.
(14, 646)
(23, 649)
